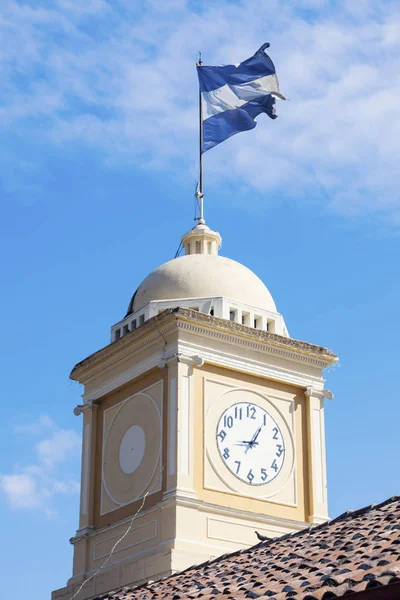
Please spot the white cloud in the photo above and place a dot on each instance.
(103, 74)
(57, 447)
(43, 423)
(34, 486)
(21, 490)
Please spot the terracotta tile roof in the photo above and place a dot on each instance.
(356, 552)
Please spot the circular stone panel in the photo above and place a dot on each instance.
(131, 450)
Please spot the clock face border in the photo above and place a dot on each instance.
(213, 412)
(282, 446)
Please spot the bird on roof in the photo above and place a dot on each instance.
(262, 538)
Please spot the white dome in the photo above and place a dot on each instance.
(203, 276)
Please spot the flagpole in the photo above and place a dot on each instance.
(200, 193)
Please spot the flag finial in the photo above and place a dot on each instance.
(199, 195)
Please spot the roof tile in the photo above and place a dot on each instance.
(357, 551)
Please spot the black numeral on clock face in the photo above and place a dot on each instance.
(264, 474)
(226, 453)
(228, 421)
(251, 412)
(238, 463)
(275, 430)
(274, 466)
(250, 476)
(280, 450)
(238, 413)
(222, 435)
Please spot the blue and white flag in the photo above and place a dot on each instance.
(233, 95)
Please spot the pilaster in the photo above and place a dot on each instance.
(180, 425)
(172, 450)
(86, 515)
(317, 487)
(185, 464)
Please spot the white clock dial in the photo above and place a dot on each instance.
(250, 443)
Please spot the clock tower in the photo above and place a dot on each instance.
(203, 421)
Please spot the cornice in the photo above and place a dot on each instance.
(158, 328)
(123, 349)
(252, 343)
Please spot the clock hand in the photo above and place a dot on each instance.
(243, 443)
(253, 440)
(255, 436)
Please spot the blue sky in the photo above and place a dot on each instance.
(98, 167)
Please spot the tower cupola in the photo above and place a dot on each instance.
(203, 280)
(201, 240)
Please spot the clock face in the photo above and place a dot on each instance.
(250, 443)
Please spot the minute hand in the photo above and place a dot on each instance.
(255, 436)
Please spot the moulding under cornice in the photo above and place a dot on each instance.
(208, 507)
(250, 366)
(81, 534)
(188, 501)
(114, 354)
(106, 528)
(249, 343)
(135, 370)
(209, 355)
(158, 328)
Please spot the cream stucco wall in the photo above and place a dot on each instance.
(194, 511)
